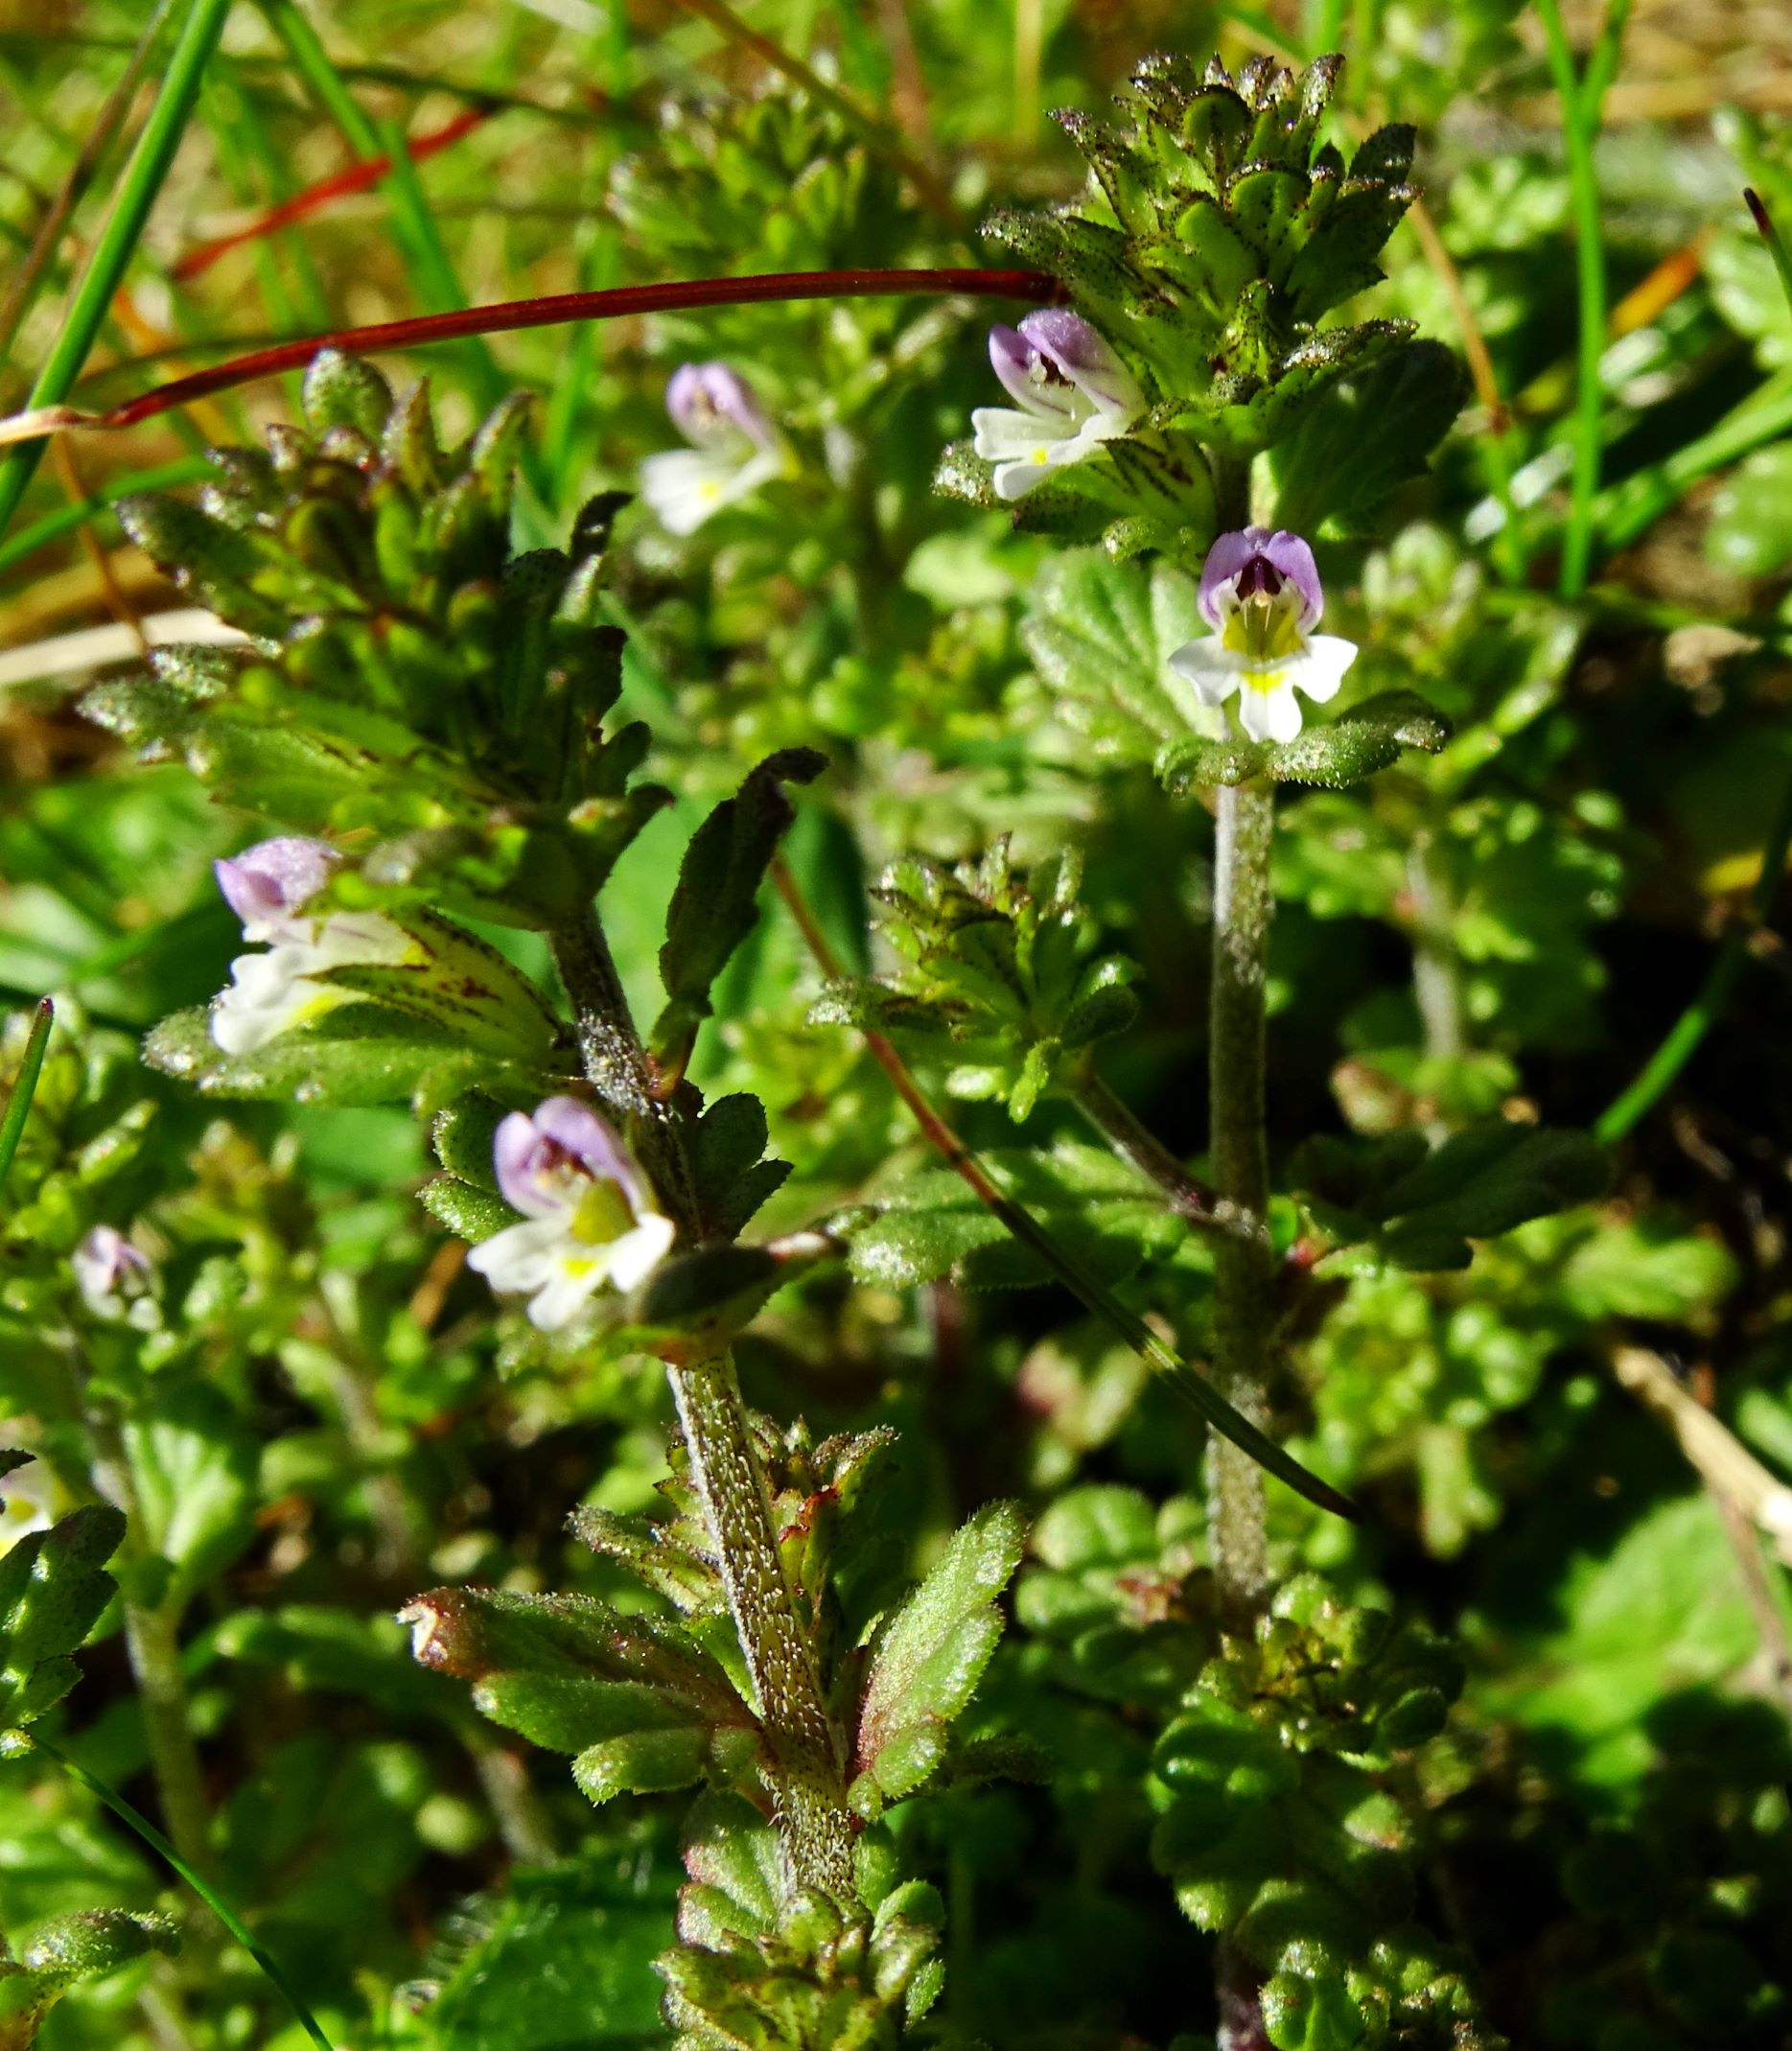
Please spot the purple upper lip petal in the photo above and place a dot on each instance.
(276, 877)
(706, 401)
(1249, 558)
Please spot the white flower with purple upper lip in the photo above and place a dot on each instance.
(735, 448)
(268, 886)
(1073, 391)
(1261, 592)
(114, 1278)
(588, 1213)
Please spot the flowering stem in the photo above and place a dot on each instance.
(817, 1825)
(811, 1793)
(152, 1642)
(1058, 1259)
(1244, 1263)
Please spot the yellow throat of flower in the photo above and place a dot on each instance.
(1267, 633)
(603, 1214)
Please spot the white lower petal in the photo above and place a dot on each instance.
(1015, 480)
(566, 1295)
(268, 994)
(635, 1256)
(686, 486)
(1319, 670)
(523, 1257)
(1210, 667)
(1269, 711)
(1001, 436)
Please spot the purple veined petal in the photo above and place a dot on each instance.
(1013, 359)
(712, 405)
(530, 1157)
(580, 1130)
(1081, 353)
(269, 882)
(1232, 557)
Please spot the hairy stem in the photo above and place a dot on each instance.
(1243, 1267)
(737, 1501)
(1436, 974)
(817, 1825)
(153, 1642)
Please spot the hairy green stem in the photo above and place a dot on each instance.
(1437, 972)
(738, 1503)
(817, 1826)
(1244, 1264)
(152, 1642)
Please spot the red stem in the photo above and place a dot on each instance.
(501, 319)
(355, 178)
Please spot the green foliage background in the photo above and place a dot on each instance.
(1510, 1759)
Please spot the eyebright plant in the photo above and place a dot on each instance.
(969, 1684)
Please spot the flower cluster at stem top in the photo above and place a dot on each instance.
(1260, 589)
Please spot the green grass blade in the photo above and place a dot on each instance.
(1771, 236)
(1582, 99)
(119, 237)
(226, 1914)
(25, 1084)
(1659, 1070)
(1624, 511)
(1683, 1039)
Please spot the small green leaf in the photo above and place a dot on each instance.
(1101, 634)
(357, 1054)
(1356, 744)
(469, 1212)
(928, 1661)
(194, 1466)
(1365, 436)
(82, 1946)
(53, 1586)
(715, 905)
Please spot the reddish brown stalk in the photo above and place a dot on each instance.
(683, 296)
(940, 1135)
(355, 178)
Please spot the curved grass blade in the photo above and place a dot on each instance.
(25, 1086)
(1683, 1038)
(23, 288)
(781, 286)
(226, 1914)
